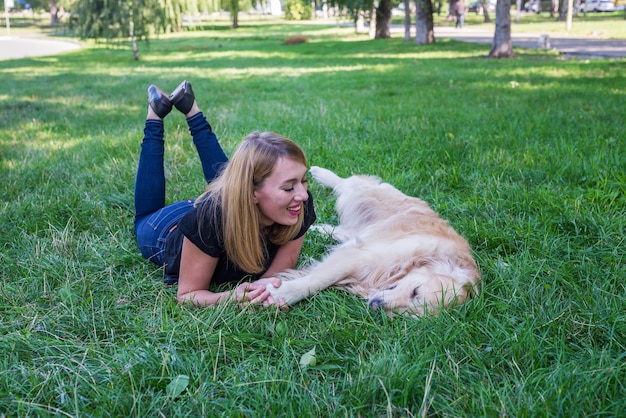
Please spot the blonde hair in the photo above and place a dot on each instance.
(231, 198)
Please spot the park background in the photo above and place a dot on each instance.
(524, 157)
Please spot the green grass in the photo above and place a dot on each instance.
(525, 157)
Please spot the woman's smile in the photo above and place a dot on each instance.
(280, 197)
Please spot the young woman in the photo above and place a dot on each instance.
(248, 225)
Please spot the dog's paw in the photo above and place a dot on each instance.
(273, 290)
(279, 293)
(290, 291)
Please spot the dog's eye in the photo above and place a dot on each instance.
(416, 292)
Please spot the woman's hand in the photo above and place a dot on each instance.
(250, 294)
(256, 293)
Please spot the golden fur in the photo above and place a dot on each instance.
(394, 251)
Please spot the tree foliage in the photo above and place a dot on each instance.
(298, 10)
(111, 19)
(352, 8)
(134, 19)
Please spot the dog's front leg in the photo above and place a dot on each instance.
(334, 268)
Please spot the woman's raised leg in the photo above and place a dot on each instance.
(150, 179)
(211, 155)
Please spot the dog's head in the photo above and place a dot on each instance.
(418, 293)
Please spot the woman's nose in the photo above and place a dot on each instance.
(301, 193)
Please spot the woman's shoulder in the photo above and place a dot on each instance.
(206, 213)
(202, 226)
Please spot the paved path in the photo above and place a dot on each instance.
(12, 47)
(582, 47)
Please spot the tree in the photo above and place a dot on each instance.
(485, 7)
(383, 19)
(407, 19)
(233, 7)
(54, 16)
(563, 12)
(424, 24)
(502, 45)
(48, 5)
(451, 15)
(126, 19)
(358, 10)
(380, 12)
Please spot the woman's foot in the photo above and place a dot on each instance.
(183, 98)
(159, 102)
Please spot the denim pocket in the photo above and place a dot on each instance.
(165, 218)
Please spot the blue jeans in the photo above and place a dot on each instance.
(153, 219)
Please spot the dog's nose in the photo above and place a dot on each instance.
(376, 304)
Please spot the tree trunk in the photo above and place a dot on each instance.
(234, 12)
(383, 19)
(562, 12)
(133, 40)
(407, 20)
(360, 22)
(424, 25)
(54, 16)
(502, 45)
(570, 14)
(451, 15)
(485, 5)
(554, 8)
(372, 31)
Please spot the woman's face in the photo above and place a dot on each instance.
(281, 195)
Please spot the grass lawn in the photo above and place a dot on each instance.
(525, 157)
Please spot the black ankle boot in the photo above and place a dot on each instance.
(159, 101)
(182, 97)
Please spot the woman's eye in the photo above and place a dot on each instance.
(288, 189)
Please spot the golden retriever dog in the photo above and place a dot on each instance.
(394, 251)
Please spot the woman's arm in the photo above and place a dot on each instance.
(286, 257)
(196, 271)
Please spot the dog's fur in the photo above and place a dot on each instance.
(394, 251)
